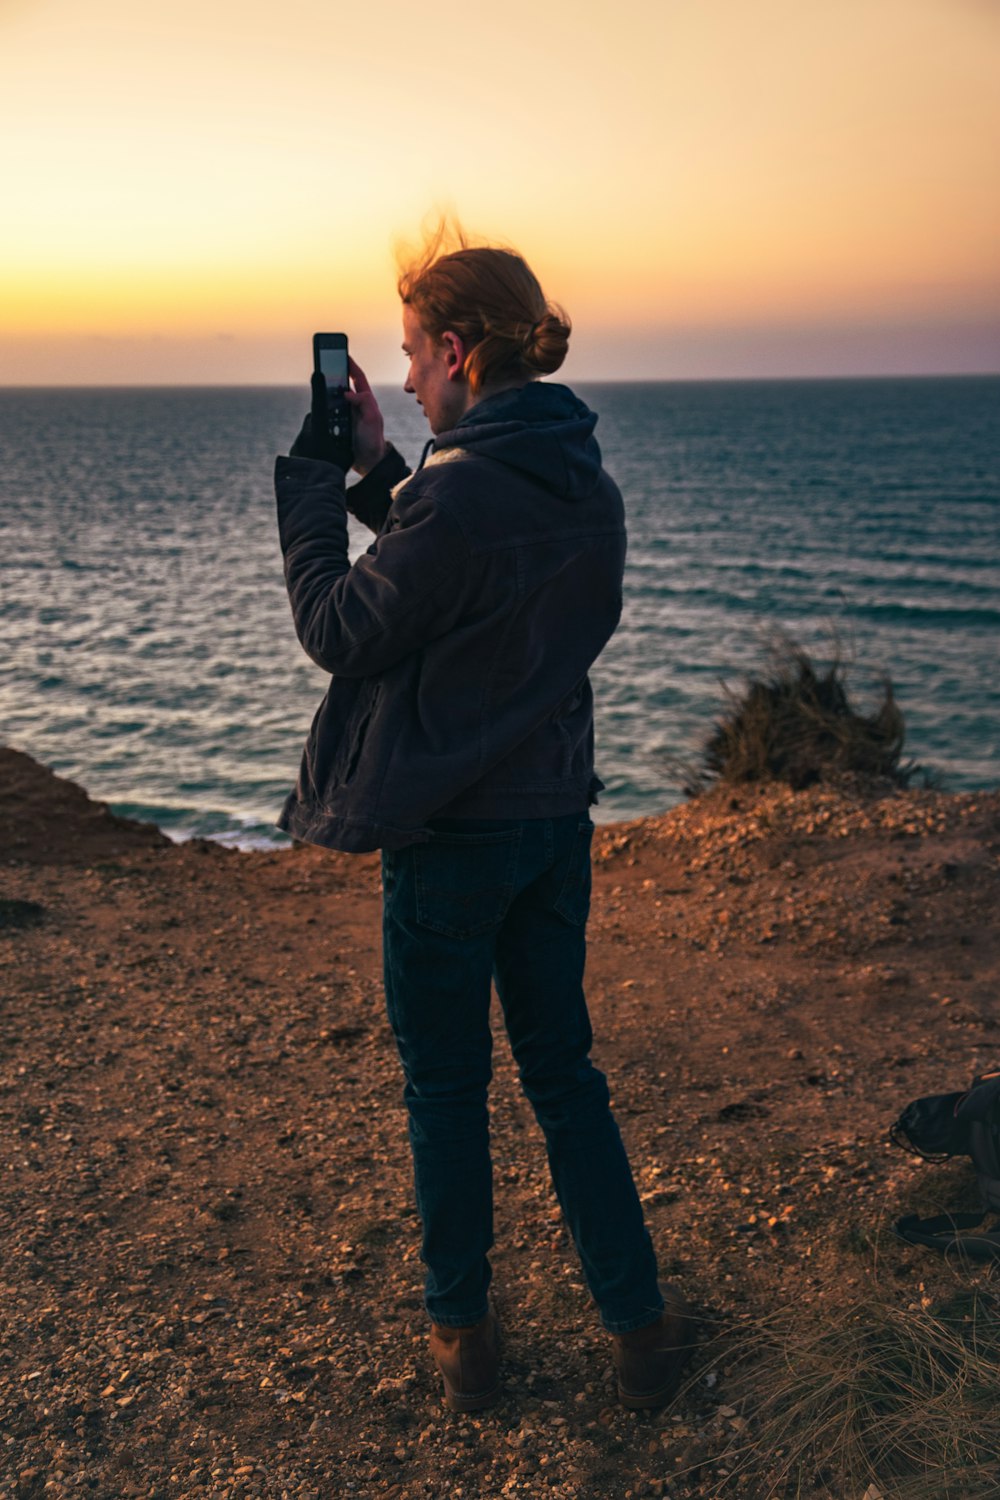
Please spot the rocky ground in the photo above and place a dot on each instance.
(209, 1283)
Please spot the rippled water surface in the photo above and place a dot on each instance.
(148, 644)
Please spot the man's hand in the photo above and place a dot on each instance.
(369, 434)
(317, 437)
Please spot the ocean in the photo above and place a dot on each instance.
(148, 648)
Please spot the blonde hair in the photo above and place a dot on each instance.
(491, 298)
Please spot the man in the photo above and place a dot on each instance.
(457, 736)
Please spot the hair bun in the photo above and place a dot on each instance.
(547, 341)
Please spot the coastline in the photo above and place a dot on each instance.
(211, 1275)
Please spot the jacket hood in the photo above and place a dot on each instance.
(543, 430)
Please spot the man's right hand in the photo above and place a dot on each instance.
(369, 433)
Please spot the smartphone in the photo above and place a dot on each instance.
(330, 361)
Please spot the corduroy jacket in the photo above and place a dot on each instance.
(458, 645)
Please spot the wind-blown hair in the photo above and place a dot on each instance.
(492, 300)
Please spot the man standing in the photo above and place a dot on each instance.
(457, 736)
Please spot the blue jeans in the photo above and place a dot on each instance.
(508, 900)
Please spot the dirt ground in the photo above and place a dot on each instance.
(209, 1283)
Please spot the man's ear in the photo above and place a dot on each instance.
(454, 355)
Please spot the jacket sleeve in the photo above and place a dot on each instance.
(371, 497)
(407, 589)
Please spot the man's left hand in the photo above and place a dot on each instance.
(316, 439)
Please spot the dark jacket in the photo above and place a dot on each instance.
(459, 643)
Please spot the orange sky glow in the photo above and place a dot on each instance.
(711, 188)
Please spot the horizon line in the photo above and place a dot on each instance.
(290, 385)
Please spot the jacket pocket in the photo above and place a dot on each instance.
(465, 881)
(573, 901)
(355, 738)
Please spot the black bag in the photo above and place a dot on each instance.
(945, 1125)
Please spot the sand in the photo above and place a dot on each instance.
(210, 1283)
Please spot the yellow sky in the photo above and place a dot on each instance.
(711, 187)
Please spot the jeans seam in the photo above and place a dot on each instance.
(460, 1322)
(629, 1325)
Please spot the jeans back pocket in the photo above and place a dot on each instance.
(465, 881)
(573, 901)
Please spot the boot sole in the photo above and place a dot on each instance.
(649, 1400)
(456, 1401)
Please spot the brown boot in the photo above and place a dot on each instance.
(649, 1360)
(468, 1360)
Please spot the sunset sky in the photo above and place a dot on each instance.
(712, 188)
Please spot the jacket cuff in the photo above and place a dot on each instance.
(371, 497)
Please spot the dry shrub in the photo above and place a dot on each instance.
(794, 722)
(877, 1399)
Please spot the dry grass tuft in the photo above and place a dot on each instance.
(875, 1399)
(794, 722)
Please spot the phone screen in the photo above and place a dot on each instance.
(333, 368)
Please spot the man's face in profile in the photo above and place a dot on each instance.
(435, 374)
